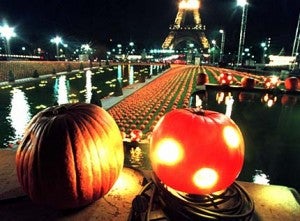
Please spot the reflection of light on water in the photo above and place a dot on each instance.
(136, 156)
(261, 178)
(60, 90)
(119, 72)
(228, 102)
(220, 97)
(19, 114)
(151, 70)
(269, 99)
(131, 73)
(88, 86)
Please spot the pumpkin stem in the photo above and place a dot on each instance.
(54, 111)
(196, 110)
(59, 110)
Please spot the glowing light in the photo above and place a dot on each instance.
(205, 178)
(231, 137)
(189, 4)
(57, 40)
(7, 32)
(169, 152)
(242, 3)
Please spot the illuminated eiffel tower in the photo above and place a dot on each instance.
(180, 32)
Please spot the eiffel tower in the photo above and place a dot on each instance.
(180, 32)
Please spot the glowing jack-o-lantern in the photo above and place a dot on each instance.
(136, 135)
(196, 151)
(225, 78)
(271, 82)
(70, 155)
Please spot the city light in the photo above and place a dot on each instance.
(7, 33)
(57, 40)
(242, 3)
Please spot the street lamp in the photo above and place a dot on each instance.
(7, 33)
(244, 5)
(222, 44)
(57, 40)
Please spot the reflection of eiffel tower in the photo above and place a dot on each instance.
(180, 32)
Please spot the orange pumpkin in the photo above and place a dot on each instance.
(291, 83)
(202, 78)
(70, 155)
(248, 82)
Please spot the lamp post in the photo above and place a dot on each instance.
(57, 40)
(264, 48)
(244, 5)
(214, 50)
(7, 33)
(222, 44)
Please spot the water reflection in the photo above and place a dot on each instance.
(136, 156)
(229, 103)
(227, 99)
(269, 99)
(61, 90)
(88, 86)
(131, 74)
(18, 119)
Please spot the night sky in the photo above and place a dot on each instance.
(146, 22)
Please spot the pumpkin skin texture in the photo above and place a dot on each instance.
(291, 83)
(70, 155)
(202, 79)
(248, 82)
(197, 152)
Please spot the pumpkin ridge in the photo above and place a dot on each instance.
(113, 127)
(93, 164)
(77, 185)
(105, 125)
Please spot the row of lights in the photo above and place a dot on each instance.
(7, 33)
